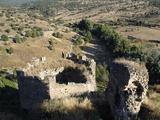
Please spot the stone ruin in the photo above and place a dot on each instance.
(127, 89)
(51, 83)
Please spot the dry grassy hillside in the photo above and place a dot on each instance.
(13, 23)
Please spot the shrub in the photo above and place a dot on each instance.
(4, 38)
(17, 39)
(57, 34)
(2, 24)
(9, 50)
(28, 33)
(51, 44)
(153, 66)
(34, 32)
(88, 36)
(78, 41)
(118, 46)
(7, 30)
(102, 77)
(85, 25)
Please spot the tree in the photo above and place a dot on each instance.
(51, 44)
(85, 25)
(57, 34)
(9, 50)
(153, 66)
(102, 77)
(17, 39)
(78, 41)
(28, 33)
(4, 38)
(88, 36)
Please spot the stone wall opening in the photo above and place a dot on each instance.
(71, 75)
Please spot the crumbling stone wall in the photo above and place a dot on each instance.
(127, 88)
(34, 89)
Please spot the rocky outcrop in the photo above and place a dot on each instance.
(127, 88)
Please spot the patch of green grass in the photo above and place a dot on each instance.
(102, 77)
(6, 82)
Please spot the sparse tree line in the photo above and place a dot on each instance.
(18, 38)
(119, 46)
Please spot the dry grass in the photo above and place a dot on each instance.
(151, 107)
(24, 52)
(69, 109)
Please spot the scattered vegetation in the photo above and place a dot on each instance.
(9, 50)
(34, 32)
(78, 41)
(18, 39)
(57, 34)
(9, 100)
(153, 65)
(102, 77)
(119, 46)
(51, 44)
(122, 47)
(4, 38)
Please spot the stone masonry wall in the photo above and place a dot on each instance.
(34, 90)
(127, 88)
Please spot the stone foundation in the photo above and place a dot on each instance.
(34, 90)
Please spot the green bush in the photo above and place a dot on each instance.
(78, 41)
(9, 50)
(88, 36)
(118, 46)
(85, 25)
(17, 39)
(153, 66)
(34, 32)
(51, 44)
(4, 38)
(28, 33)
(57, 34)
(102, 77)
(112, 40)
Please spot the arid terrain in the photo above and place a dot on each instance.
(70, 49)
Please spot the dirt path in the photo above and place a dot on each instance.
(48, 34)
(96, 51)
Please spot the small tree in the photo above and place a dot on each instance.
(85, 25)
(51, 44)
(17, 39)
(28, 33)
(102, 77)
(4, 38)
(78, 41)
(9, 50)
(57, 34)
(88, 36)
(153, 66)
